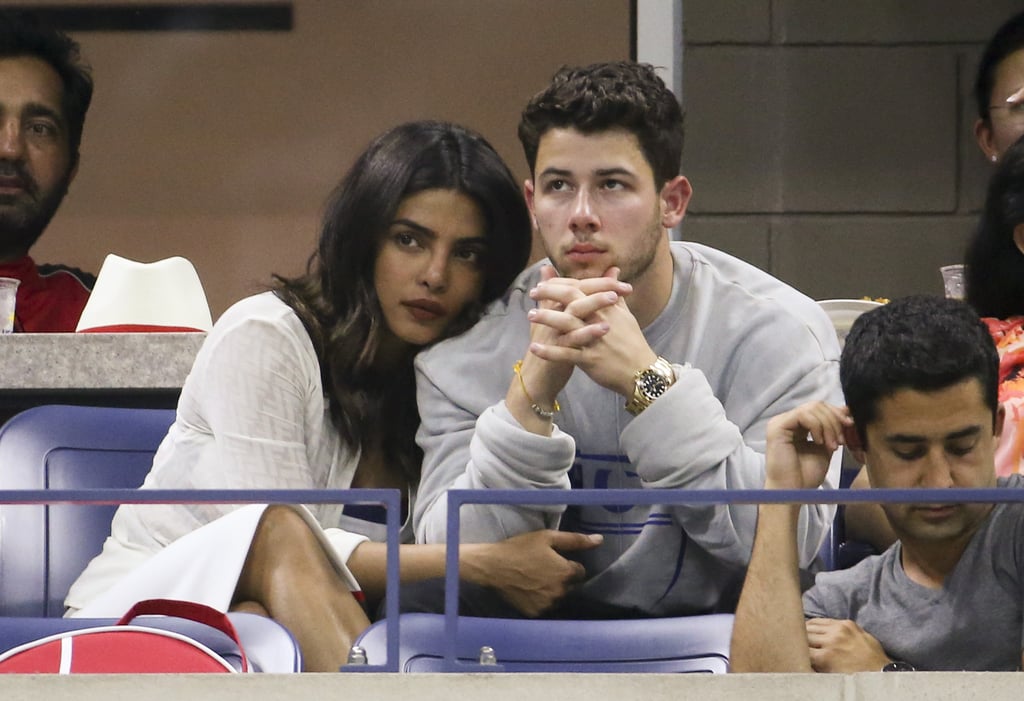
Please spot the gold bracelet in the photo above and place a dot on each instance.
(537, 409)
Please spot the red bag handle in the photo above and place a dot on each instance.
(190, 611)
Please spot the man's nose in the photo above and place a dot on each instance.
(583, 216)
(938, 472)
(12, 141)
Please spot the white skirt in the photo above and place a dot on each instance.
(202, 566)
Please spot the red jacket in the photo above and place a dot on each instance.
(50, 297)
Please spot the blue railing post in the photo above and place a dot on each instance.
(391, 499)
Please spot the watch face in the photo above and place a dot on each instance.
(899, 666)
(651, 384)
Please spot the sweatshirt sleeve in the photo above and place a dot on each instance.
(707, 450)
(492, 452)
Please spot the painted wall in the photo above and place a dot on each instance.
(828, 142)
(222, 147)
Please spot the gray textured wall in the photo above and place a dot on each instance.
(831, 141)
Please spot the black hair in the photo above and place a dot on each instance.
(1008, 39)
(336, 298)
(993, 264)
(604, 96)
(920, 343)
(22, 34)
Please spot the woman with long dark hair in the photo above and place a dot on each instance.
(310, 385)
(999, 89)
(994, 286)
(994, 261)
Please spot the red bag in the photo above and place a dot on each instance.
(123, 648)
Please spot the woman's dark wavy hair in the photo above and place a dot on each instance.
(1008, 39)
(919, 343)
(993, 265)
(336, 300)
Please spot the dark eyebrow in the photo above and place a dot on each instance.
(955, 435)
(559, 172)
(964, 433)
(600, 172)
(433, 234)
(414, 225)
(36, 109)
(615, 171)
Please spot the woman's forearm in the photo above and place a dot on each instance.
(368, 564)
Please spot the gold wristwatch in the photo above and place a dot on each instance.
(649, 384)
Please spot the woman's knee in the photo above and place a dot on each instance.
(249, 606)
(282, 525)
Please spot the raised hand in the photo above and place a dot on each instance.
(800, 442)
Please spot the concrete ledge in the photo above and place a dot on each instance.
(935, 686)
(61, 361)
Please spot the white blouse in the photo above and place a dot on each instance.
(252, 415)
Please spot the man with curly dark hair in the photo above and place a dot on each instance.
(625, 360)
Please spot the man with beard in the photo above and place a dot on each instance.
(920, 377)
(623, 361)
(45, 92)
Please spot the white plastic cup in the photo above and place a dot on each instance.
(953, 281)
(8, 299)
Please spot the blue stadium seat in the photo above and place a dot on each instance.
(683, 644)
(43, 549)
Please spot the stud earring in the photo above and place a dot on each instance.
(994, 158)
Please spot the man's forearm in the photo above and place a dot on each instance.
(769, 634)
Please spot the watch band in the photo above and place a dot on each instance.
(650, 383)
(899, 666)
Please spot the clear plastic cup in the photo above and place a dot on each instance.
(953, 280)
(8, 298)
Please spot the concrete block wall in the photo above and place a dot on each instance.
(831, 142)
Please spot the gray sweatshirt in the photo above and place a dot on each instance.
(745, 347)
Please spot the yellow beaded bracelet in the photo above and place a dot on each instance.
(537, 409)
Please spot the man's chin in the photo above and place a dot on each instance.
(578, 271)
(16, 233)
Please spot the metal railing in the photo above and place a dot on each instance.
(671, 497)
(390, 499)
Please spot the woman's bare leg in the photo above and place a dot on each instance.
(289, 576)
(249, 607)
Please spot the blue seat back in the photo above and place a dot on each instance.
(43, 549)
(681, 644)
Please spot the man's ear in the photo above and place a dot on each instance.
(528, 196)
(74, 168)
(853, 443)
(1000, 419)
(675, 196)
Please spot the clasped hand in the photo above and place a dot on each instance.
(586, 324)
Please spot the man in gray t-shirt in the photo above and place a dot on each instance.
(920, 379)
